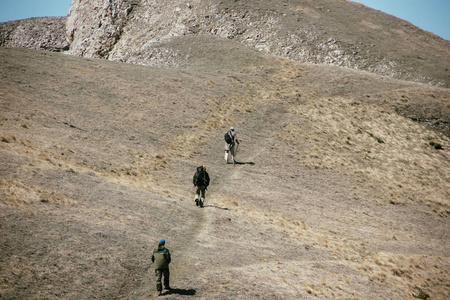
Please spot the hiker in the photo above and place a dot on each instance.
(201, 182)
(161, 258)
(231, 145)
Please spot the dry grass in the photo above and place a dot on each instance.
(377, 146)
(339, 197)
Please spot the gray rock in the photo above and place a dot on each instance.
(46, 33)
(338, 33)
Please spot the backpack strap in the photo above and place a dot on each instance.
(204, 175)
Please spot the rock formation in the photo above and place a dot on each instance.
(341, 33)
(94, 27)
(46, 33)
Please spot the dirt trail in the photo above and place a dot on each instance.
(97, 166)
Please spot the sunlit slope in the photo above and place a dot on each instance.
(338, 195)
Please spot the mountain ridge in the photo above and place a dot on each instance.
(341, 33)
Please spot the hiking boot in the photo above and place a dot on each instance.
(196, 202)
(159, 293)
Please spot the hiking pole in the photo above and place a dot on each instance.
(235, 153)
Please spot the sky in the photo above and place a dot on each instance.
(22, 9)
(430, 15)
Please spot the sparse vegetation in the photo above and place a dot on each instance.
(379, 140)
(308, 218)
(421, 295)
(436, 146)
(8, 139)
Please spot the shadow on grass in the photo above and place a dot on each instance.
(215, 206)
(243, 163)
(184, 292)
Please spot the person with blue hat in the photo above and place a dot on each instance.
(161, 258)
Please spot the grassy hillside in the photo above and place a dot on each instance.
(339, 194)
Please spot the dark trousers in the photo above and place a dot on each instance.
(200, 192)
(159, 273)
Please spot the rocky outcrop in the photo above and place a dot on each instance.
(336, 32)
(46, 33)
(94, 27)
(340, 33)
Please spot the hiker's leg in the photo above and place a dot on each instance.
(158, 274)
(197, 192)
(227, 151)
(233, 152)
(203, 193)
(197, 195)
(166, 278)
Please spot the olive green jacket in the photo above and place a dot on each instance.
(161, 257)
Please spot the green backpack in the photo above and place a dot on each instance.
(200, 176)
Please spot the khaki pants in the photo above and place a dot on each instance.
(159, 273)
(230, 148)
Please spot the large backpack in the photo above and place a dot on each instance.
(228, 138)
(200, 176)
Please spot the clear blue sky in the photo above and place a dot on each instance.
(430, 15)
(22, 9)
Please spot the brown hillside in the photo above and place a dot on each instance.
(340, 33)
(339, 194)
(333, 32)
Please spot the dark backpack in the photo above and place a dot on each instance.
(228, 138)
(200, 176)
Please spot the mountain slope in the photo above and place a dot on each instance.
(337, 194)
(340, 33)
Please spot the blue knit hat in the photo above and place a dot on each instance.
(162, 241)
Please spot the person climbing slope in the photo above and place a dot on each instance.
(201, 182)
(231, 145)
(161, 258)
